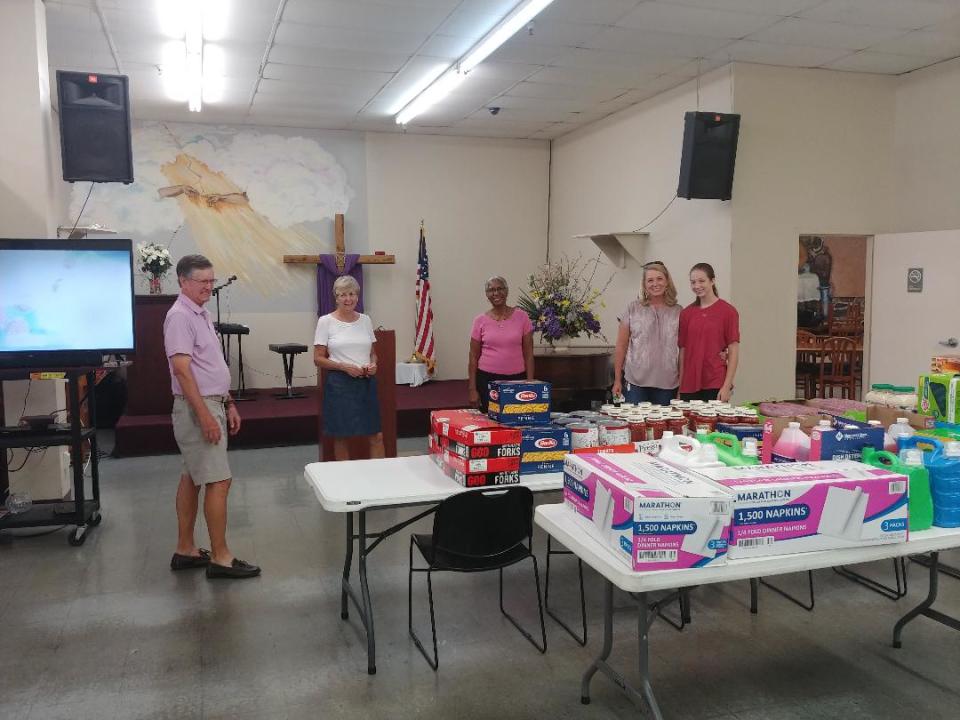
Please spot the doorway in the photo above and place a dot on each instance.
(832, 308)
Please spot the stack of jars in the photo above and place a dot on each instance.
(627, 422)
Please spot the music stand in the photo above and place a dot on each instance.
(226, 331)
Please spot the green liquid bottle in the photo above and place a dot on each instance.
(920, 504)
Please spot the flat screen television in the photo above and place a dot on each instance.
(65, 303)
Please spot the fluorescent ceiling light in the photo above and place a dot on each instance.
(522, 14)
(506, 29)
(188, 73)
(438, 90)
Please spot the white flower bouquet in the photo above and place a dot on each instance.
(154, 260)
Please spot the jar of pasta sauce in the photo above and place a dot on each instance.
(656, 424)
(614, 432)
(583, 435)
(676, 422)
(638, 427)
(705, 421)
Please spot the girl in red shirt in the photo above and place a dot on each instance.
(709, 341)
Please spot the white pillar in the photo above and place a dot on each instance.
(28, 191)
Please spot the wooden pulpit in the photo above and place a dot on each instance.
(386, 394)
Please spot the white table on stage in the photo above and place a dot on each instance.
(560, 522)
(358, 486)
(412, 374)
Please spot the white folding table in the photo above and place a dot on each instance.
(559, 521)
(358, 486)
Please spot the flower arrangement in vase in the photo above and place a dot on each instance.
(154, 262)
(561, 300)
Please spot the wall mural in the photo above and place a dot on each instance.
(242, 197)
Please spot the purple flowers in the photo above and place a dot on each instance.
(560, 301)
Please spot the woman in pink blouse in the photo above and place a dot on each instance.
(501, 344)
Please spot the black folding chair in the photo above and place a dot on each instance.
(477, 531)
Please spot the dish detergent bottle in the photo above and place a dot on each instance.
(793, 445)
(901, 428)
(920, 503)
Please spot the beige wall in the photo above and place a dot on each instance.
(814, 155)
(926, 150)
(484, 203)
(618, 173)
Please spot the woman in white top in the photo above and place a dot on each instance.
(344, 346)
(647, 356)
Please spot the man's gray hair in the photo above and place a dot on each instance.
(188, 263)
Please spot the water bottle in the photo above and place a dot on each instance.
(18, 503)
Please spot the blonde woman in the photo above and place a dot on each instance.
(647, 356)
(345, 346)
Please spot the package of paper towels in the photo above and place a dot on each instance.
(797, 507)
(651, 515)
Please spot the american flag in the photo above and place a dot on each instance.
(423, 350)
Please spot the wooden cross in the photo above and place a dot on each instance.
(341, 251)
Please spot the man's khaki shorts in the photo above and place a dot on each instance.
(204, 462)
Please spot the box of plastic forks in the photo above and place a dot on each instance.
(798, 507)
(651, 515)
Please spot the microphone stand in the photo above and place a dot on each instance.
(216, 294)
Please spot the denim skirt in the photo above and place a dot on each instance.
(350, 405)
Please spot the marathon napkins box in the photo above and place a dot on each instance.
(651, 515)
(797, 507)
(542, 449)
(520, 402)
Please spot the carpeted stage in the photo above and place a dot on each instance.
(269, 420)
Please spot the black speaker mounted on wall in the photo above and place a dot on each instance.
(95, 127)
(709, 153)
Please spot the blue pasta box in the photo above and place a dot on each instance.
(520, 402)
(543, 448)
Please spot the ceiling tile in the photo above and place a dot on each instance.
(565, 34)
(367, 80)
(474, 18)
(619, 39)
(587, 76)
(586, 58)
(569, 92)
(763, 7)
(884, 63)
(813, 33)
(603, 12)
(348, 39)
(350, 14)
(685, 20)
(923, 43)
(787, 55)
(903, 14)
(555, 130)
(447, 46)
(348, 59)
(519, 49)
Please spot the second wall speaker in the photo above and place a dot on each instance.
(709, 153)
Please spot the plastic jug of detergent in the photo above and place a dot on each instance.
(687, 452)
(793, 445)
(943, 463)
(920, 504)
(729, 450)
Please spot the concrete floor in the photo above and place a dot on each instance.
(107, 631)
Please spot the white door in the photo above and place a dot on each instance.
(907, 327)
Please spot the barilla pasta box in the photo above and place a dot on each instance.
(543, 448)
(798, 507)
(651, 515)
(478, 452)
(520, 402)
(472, 427)
(472, 466)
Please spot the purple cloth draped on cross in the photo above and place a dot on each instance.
(327, 273)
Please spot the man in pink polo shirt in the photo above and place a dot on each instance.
(203, 412)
